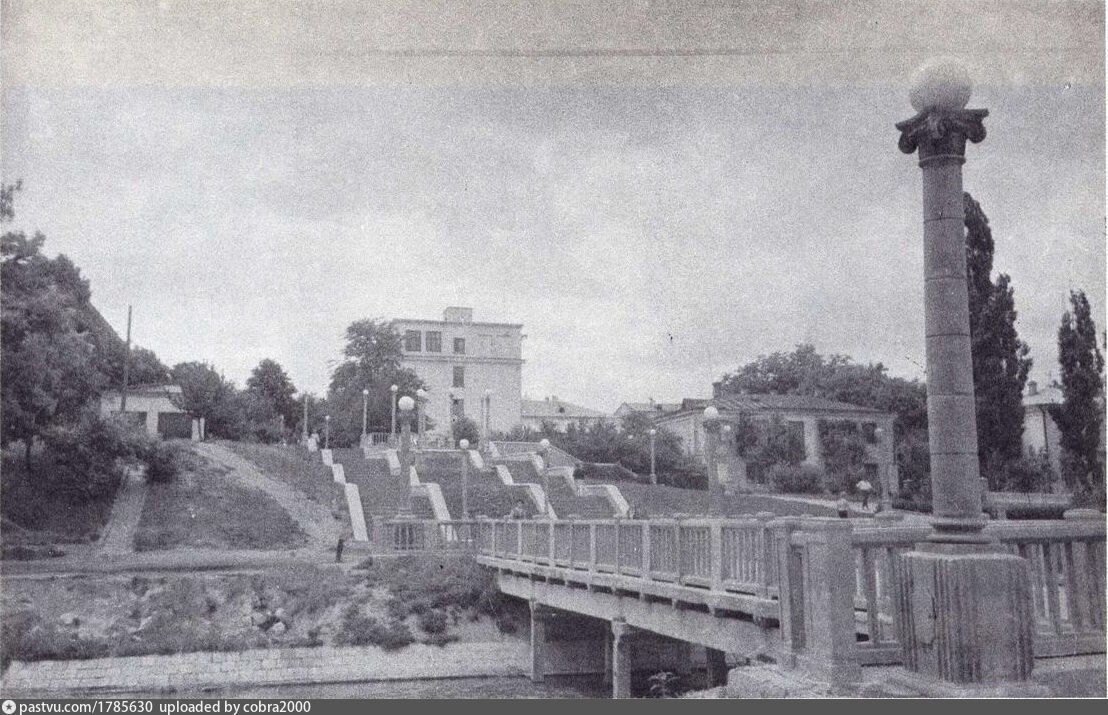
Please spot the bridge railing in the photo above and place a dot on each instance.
(737, 555)
(1067, 566)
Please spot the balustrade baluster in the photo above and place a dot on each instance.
(1051, 578)
(644, 557)
(1074, 585)
(716, 555)
(869, 576)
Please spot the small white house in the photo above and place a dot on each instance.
(156, 407)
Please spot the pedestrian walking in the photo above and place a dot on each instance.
(865, 489)
(843, 506)
(338, 550)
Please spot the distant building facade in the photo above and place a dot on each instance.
(461, 361)
(559, 413)
(799, 413)
(156, 408)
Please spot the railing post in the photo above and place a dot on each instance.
(519, 541)
(769, 553)
(619, 551)
(790, 586)
(592, 547)
(830, 648)
(550, 552)
(646, 550)
(715, 564)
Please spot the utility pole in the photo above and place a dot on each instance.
(126, 366)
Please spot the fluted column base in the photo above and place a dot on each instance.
(965, 618)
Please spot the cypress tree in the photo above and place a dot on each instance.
(1000, 359)
(1081, 413)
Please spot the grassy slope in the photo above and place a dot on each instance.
(294, 466)
(662, 500)
(201, 508)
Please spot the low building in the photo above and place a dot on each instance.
(156, 408)
(799, 413)
(559, 413)
(1040, 433)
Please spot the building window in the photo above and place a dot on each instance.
(412, 339)
(434, 341)
(459, 376)
(459, 346)
(869, 431)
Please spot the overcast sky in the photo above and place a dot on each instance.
(659, 194)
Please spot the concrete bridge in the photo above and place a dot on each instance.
(815, 595)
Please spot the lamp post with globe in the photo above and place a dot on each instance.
(463, 445)
(544, 451)
(653, 473)
(327, 431)
(711, 428)
(984, 645)
(405, 404)
(392, 407)
(365, 413)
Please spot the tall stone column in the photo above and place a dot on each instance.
(538, 643)
(964, 604)
(621, 660)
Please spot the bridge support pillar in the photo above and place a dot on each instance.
(621, 659)
(717, 666)
(539, 618)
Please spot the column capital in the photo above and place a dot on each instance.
(942, 133)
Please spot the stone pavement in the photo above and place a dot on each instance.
(193, 671)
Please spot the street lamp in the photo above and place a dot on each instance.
(884, 498)
(392, 403)
(653, 474)
(405, 404)
(365, 411)
(305, 434)
(464, 446)
(711, 428)
(486, 416)
(327, 432)
(544, 450)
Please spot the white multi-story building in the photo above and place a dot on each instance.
(462, 363)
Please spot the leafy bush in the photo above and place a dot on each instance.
(1031, 473)
(359, 629)
(844, 454)
(88, 459)
(432, 622)
(796, 479)
(163, 461)
(465, 428)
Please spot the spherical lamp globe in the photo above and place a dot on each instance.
(940, 83)
(710, 413)
(406, 404)
(464, 443)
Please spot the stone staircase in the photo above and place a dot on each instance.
(566, 502)
(488, 496)
(380, 492)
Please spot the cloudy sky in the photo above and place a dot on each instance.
(659, 192)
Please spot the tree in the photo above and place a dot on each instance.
(372, 356)
(269, 381)
(204, 393)
(1081, 414)
(1000, 358)
(48, 367)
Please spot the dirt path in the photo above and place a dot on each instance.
(119, 536)
(315, 519)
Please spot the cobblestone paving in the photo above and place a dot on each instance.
(192, 671)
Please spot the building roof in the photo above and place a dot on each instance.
(1048, 395)
(554, 408)
(651, 406)
(773, 403)
(148, 390)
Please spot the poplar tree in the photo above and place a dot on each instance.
(1001, 360)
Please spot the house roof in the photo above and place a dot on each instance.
(148, 390)
(651, 406)
(798, 403)
(772, 403)
(1048, 395)
(556, 409)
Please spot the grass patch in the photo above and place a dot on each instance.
(201, 508)
(34, 514)
(296, 467)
